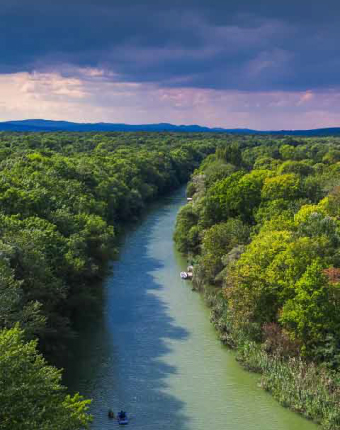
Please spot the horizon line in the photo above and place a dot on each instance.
(166, 123)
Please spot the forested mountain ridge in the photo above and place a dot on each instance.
(51, 126)
(263, 233)
(48, 126)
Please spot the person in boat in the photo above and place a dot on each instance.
(111, 414)
(122, 415)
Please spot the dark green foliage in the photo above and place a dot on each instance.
(186, 235)
(63, 196)
(31, 395)
(218, 241)
(230, 154)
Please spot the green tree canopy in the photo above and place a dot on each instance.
(31, 395)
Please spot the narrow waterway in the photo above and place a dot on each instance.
(154, 352)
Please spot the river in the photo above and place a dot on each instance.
(154, 352)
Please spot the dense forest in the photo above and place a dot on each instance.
(262, 231)
(64, 197)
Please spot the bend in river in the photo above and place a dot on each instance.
(155, 353)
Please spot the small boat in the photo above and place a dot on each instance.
(186, 275)
(122, 418)
(183, 275)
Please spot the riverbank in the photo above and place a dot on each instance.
(305, 388)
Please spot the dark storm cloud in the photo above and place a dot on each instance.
(245, 44)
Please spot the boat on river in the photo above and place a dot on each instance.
(183, 275)
(122, 418)
(188, 274)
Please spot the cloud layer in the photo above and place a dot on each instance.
(94, 96)
(212, 58)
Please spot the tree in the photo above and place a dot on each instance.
(282, 187)
(288, 152)
(217, 171)
(313, 312)
(187, 233)
(230, 153)
(332, 157)
(218, 241)
(253, 290)
(12, 305)
(237, 195)
(31, 396)
(297, 167)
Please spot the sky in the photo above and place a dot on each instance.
(265, 64)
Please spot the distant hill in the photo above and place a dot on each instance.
(49, 126)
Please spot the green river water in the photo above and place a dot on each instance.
(154, 352)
